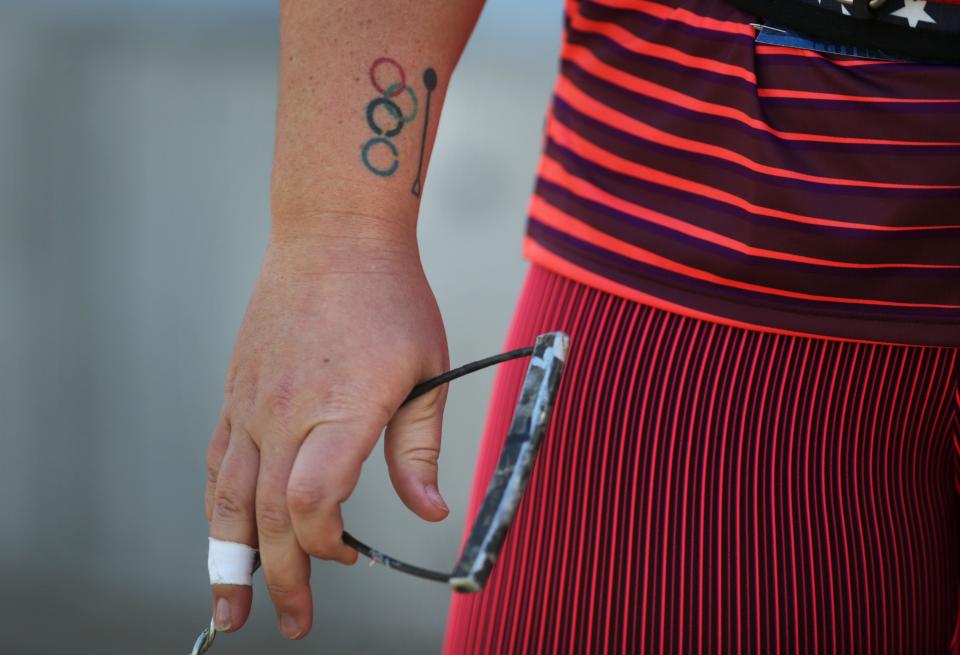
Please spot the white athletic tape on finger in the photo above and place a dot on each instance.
(230, 562)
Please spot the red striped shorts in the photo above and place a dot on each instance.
(706, 488)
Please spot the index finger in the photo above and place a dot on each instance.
(323, 476)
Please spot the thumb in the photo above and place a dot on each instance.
(411, 447)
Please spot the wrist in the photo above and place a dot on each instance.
(339, 206)
(329, 223)
(336, 241)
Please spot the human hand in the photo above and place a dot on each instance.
(339, 329)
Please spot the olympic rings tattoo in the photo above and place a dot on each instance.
(388, 95)
(385, 99)
(364, 155)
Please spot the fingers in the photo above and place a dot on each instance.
(232, 519)
(286, 567)
(324, 475)
(412, 447)
(215, 452)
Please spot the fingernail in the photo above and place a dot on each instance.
(434, 494)
(221, 617)
(289, 627)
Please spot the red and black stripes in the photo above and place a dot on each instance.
(705, 488)
(689, 168)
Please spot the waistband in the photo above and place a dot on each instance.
(918, 29)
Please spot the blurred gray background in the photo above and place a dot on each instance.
(135, 150)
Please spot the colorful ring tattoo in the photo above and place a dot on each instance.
(393, 108)
(364, 155)
(373, 76)
(388, 94)
(413, 99)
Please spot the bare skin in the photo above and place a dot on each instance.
(342, 322)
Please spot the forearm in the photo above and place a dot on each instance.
(347, 69)
(342, 323)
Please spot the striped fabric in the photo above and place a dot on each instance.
(709, 489)
(690, 168)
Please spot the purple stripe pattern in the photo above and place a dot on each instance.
(800, 192)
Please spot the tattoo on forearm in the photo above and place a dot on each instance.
(395, 106)
(430, 82)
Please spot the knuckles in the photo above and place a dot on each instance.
(304, 500)
(424, 455)
(273, 521)
(306, 504)
(230, 505)
(288, 409)
(348, 405)
(282, 402)
(301, 394)
(213, 472)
